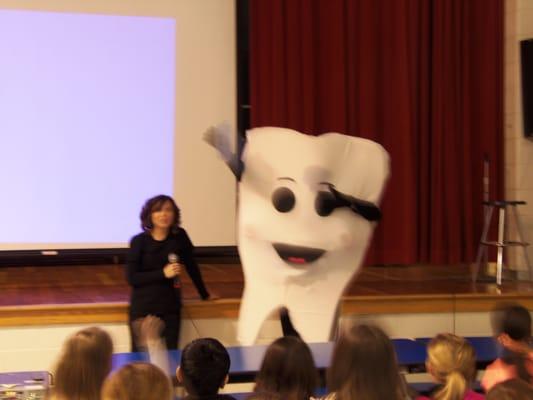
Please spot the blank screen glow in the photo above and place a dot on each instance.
(87, 108)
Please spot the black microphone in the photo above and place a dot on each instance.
(173, 258)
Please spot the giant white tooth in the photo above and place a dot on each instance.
(277, 157)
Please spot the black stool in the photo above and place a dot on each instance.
(501, 243)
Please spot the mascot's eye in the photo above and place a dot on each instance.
(283, 199)
(325, 203)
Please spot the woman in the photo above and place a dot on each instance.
(83, 365)
(451, 361)
(287, 372)
(364, 366)
(154, 266)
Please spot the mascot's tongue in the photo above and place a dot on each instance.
(297, 260)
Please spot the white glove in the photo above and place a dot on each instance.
(220, 138)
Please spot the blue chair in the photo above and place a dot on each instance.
(246, 360)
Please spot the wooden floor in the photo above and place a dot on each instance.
(84, 294)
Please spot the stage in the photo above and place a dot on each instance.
(41, 306)
(99, 294)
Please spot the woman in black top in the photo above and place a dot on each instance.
(154, 265)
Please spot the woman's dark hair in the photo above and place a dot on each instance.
(514, 320)
(155, 204)
(204, 366)
(288, 371)
(364, 366)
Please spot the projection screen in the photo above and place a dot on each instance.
(103, 105)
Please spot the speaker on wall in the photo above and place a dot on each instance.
(526, 57)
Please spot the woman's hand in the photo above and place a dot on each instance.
(172, 270)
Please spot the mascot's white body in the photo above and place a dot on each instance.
(295, 254)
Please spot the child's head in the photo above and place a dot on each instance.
(204, 367)
(364, 366)
(84, 364)
(451, 360)
(512, 389)
(288, 370)
(513, 321)
(137, 381)
(511, 324)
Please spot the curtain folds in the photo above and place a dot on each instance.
(422, 77)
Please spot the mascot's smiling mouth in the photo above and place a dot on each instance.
(297, 254)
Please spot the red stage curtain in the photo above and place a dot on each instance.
(421, 77)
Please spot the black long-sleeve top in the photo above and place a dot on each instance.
(152, 292)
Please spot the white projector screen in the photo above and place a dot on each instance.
(100, 109)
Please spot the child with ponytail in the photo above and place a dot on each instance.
(451, 361)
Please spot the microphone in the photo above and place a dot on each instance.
(173, 258)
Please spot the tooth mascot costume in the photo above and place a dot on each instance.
(307, 209)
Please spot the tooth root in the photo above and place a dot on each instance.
(313, 314)
(313, 327)
(256, 306)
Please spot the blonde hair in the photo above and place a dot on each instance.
(83, 365)
(452, 361)
(137, 381)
